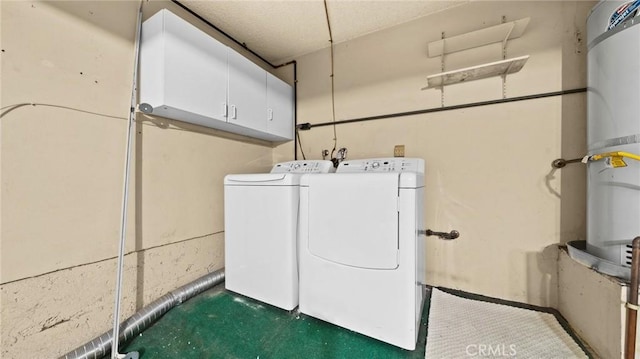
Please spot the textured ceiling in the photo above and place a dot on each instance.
(280, 30)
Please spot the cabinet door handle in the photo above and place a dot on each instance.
(270, 114)
(224, 109)
(233, 112)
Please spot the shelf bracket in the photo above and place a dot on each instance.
(442, 69)
(504, 54)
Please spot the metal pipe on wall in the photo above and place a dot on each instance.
(100, 346)
(632, 304)
(125, 192)
(295, 109)
(308, 126)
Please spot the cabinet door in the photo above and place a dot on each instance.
(247, 93)
(279, 107)
(195, 70)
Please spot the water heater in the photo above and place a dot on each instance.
(613, 195)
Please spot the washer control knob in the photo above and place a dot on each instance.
(375, 165)
(296, 166)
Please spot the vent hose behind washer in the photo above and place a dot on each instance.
(100, 346)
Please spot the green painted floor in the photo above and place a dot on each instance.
(221, 324)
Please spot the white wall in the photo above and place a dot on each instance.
(62, 174)
(488, 169)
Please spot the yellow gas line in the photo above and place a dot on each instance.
(617, 158)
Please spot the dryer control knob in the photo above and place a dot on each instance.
(296, 166)
(375, 165)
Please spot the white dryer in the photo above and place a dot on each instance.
(261, 223)
(361, 261)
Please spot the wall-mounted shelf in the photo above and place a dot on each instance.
(486, 36)
(498, 68)
(494, 34)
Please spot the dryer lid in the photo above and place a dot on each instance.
(353, 219)
(262, 179)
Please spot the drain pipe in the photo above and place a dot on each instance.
(100, 346)
(632, 305)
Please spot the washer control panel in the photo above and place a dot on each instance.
(303, 167)
(392, 164)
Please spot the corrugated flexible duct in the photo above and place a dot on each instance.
(134, 325)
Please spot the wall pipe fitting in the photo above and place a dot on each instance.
(100, 346)
(561, 162)
(443, 235)
(632, 305)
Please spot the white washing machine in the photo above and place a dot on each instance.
(261, 223)
(361, 258)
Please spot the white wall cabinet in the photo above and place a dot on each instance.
(279, 107)
(182, 70)
(187, 75)
(247, 93)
